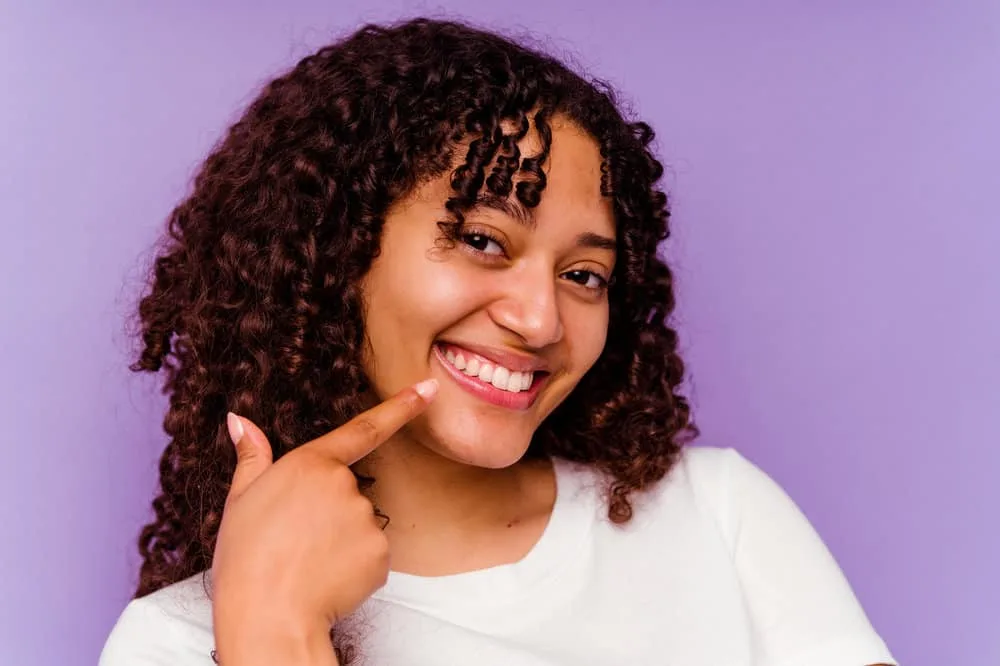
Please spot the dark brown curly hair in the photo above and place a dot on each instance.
(253, 304)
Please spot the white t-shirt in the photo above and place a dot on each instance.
(718, 567)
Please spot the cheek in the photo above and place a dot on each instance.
(589, 338)
(431, 299)
(411, 300)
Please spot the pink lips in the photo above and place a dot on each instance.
(491, 394)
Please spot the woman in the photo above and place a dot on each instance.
(420, 276)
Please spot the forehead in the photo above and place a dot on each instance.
(573, 173)
(572, 192)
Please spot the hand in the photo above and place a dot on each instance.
(299, 547)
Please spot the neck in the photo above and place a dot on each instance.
(416, 486)
(436, 505)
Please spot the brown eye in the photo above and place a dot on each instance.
(588, 279)
(483, 243)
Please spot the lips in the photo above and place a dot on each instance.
(477, 366)
(496, 356)
(489, 380)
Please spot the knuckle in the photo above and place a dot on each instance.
(302, 458)
(363, 506)
(244, 466)
(342, 476)
(318, 470)
(366, 430)
(310, 466)
(244, 452)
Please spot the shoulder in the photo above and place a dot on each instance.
(703, 476)
(734, 492)
(170, 626)
(712, 474)
(710, 467)
(705, 470)
(700, 483)
(802, 607)
(708, 485)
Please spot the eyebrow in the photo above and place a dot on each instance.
(514, 209)
(522, 215)
(597, 241)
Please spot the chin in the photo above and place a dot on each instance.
(477, 440)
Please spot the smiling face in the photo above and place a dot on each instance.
(508, 319)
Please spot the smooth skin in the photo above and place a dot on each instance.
(300, 546)
(454, 482)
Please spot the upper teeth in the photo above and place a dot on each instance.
(497, 375)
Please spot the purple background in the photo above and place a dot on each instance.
(835, 169)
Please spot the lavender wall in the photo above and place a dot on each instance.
(835, 169)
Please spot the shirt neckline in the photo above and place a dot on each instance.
(566, 528)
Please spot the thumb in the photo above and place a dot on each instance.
(253, 453)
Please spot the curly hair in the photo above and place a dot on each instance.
(254, 306)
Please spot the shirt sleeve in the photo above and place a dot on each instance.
(145, 635)
(802, 608)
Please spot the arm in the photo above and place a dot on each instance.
(802, 608)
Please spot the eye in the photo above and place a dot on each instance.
(588, 279)
(485, 244)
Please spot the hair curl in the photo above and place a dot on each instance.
(254, 306)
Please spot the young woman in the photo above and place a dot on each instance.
(420, 275)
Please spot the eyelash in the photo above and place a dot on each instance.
(464, 239)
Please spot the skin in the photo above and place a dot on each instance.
(448, 463)
(457, 496)
(299, 547)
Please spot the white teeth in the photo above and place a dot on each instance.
(514, 382)
(486, 372)
(500, 378)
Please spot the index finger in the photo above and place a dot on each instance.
(365, 432)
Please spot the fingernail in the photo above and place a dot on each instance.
(427, 388)
(235, 427)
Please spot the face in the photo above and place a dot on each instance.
(508, 319)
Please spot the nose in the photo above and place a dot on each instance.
(529, 308)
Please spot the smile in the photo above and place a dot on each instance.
(488, 380)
